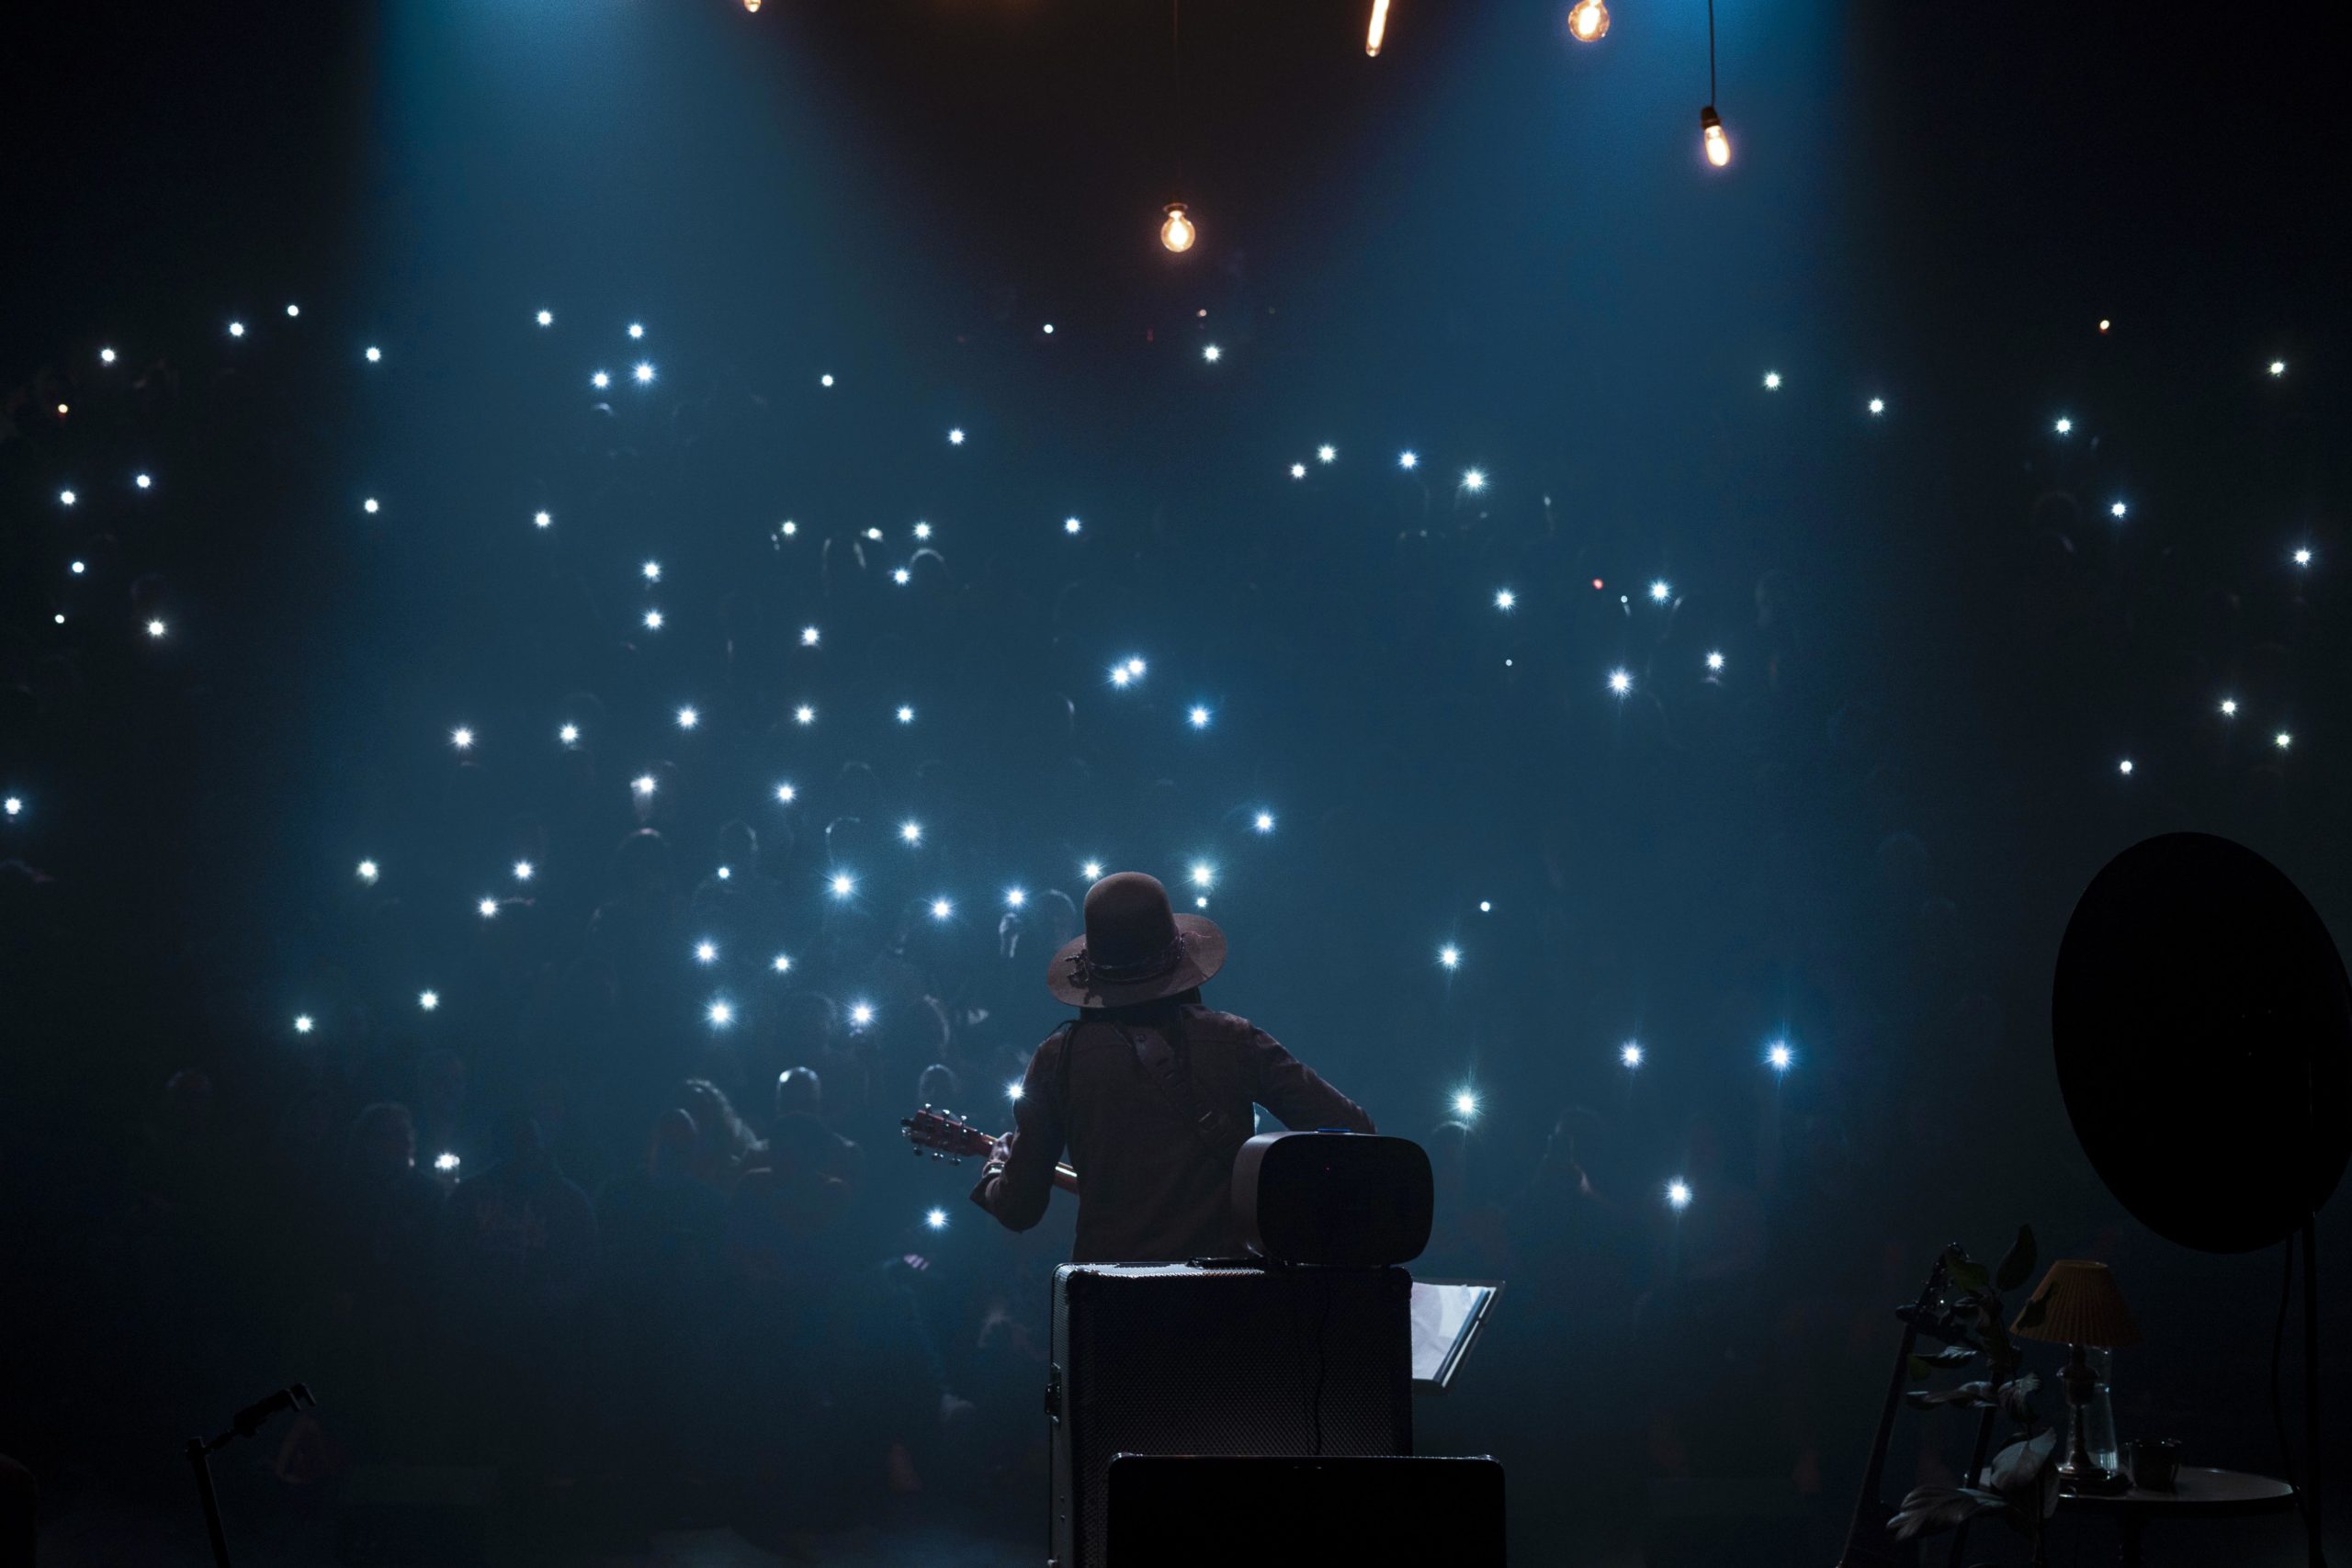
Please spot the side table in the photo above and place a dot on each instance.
(2198, 1493)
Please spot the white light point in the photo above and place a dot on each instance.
(2065, 426)
(1678, 1194)
(1660, 593)
(861, 1014)
(1714, 663)
(1263, 822)
(1474, 482)
(724, 874)
(77, 568)
(781, 964)
(1630, 1053)
(368, 871)
(2282, 740)
(644, 372)
(906, 715)
(303, 1024)
(826, 379)
(370, 506)
(1120, 678)
(1778, 1056)
(155, 628)
(1198, 718)
(546, 317)
(901, 577)
(1485, 905)
(910, 831)
(1407, 460)
(954, 438)
(524, 870)
(1136, 667)
(428, 1000)
(487, 907)
(810, 636)
(786, 793)
(2124, 767)
(2117, 509)
(941, 908)
(688, 718)
(653, 620)
(542, 519)
(1014, 897)
(705, 952)
(804, 714)
(144, 481)
(652, 571)
(1877, 405)
(936, 1219)
(637, 328)
(922, 530)
(720, 1014)
(447, 1162)
(375, 354)
(569, 735)
(1621, 682)
(843, 883)
(1072, 525)
(1212, 353)
(2303, 556)
(1450, 956)
(236, 328)
(1327, 454)
(462, 739)
(1506, 600)
(1298, 470)
(600, 380)
(642, 783)
(14, 805)
(2277, 367)
(1771, 380)
(1091, 871)
(2229, 707)
(1012, 1092)
(1203, 874)
(106, 356)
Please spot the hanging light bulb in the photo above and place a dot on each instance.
(1177, 234)
(1378, 29)
(751, 6)
(1588, 20)
(1712, 136)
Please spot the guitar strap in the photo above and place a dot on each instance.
(1170, 1072)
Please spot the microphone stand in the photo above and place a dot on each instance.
(248, 1421)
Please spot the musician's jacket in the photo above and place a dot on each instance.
(1152, 1188)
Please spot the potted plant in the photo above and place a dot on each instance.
(1970, 1319)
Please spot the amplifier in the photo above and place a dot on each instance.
(1169, 1358)
(1181, 1511)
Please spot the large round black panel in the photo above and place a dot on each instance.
(2204, 1028)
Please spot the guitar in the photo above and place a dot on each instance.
(938, 1134)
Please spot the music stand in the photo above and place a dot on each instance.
(1446, 1317)
(2199, 1004)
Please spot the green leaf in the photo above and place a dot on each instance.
(2017, 1264)
(1964, 1273)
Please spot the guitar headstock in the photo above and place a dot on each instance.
(945, 1138)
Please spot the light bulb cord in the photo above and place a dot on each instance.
(1711, 52)
(1176, 73)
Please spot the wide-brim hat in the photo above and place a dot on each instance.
(1135, 949)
